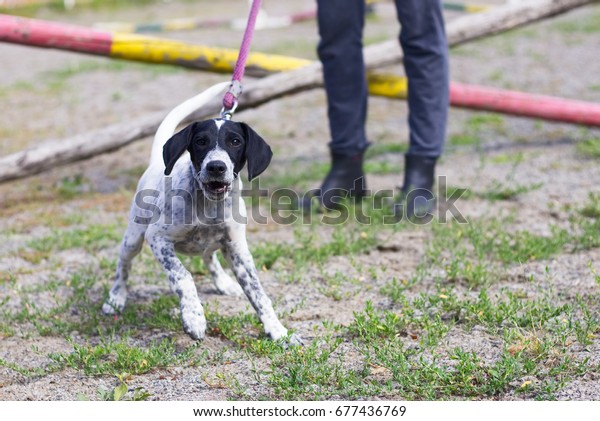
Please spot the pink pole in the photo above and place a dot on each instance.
(46, 34)
(526, 105)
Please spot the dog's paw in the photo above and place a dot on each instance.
(112, 306)
(282, 336)
(290, 341)
(293, 340)
(227, 286)
(194, 323)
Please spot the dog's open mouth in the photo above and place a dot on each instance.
(216, 187)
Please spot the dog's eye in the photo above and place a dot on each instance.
(235, 142)
(201, 141)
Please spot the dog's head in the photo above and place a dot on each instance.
(218, 149)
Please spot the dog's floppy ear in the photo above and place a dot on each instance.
(175, 147)
(258, 152)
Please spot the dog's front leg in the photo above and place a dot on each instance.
(243, 267)
(182, 284)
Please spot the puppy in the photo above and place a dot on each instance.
(189, 201)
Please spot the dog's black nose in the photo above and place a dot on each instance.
(216, 167)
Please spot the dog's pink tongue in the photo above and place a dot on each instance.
(217, 187)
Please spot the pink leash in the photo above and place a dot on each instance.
(235, 89)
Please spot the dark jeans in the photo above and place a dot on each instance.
(423, 40)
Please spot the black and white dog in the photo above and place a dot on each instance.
(201, 163)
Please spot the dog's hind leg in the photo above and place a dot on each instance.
(222, 281)
(130, 247)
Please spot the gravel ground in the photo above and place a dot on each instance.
(46, 94)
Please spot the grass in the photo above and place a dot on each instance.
(59, 5)
(536, 333)
(57, 81)
(308, 249)
(590, 24)
(470, 311)
(589, 148)
(92, 238)
(507, 190)
(528, 339)
(301, 174)
(476, 252)
(112, 357)
(476, 129)
(120, 392)
(392, 367)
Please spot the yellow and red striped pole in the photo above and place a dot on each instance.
(498, 100)
(39, 33)
(186, 24)
(136, 47)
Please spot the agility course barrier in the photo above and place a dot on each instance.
(264, 21)
(186, 24)
(502, 101)
(137, 47)
(52, 153)
(39, 33)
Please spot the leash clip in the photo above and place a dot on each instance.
(226, 114)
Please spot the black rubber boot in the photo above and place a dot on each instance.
(345, 179)
(416, 195)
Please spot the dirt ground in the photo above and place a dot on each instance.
(47, 94)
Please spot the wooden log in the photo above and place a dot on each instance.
(49, 155)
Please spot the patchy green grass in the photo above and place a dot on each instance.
(309, 250)
(395, 351)
(507, 190)
(452, 311)
(379, 149)
(476, 252)
(589, 148)
(121, 392)
(112, 357)
(397, 347)
(301, 174)
(57, 80)
(592, 208)
(477, 129)
(90, 238)
(590, 24)
(60, 6)
(533, 345)
(293, 176)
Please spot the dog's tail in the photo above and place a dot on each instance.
(177, 115)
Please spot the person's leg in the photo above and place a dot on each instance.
(341, 25)
(423, 40)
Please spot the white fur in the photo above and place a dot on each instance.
(177, 115)
(219, 123)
